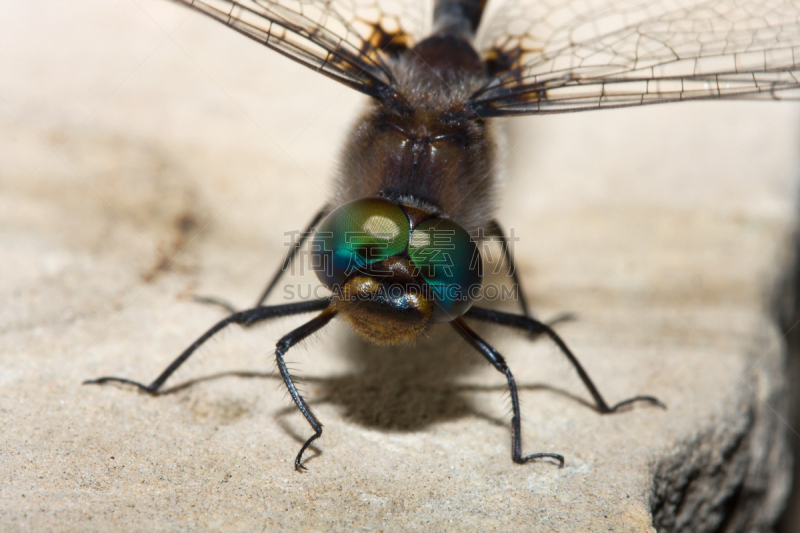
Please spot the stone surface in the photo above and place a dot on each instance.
(149, 155)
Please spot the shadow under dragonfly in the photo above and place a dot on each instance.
(400, 388)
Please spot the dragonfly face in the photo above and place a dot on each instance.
(395, 269)
(397, 245)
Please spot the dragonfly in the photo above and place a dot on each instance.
(397, 245)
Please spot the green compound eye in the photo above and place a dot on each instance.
(449, 261)
(357, 234)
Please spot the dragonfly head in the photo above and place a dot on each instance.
(392, 274)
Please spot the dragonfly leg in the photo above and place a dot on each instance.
(496, 230)
(250, 316)
(281, 348)
(287, 262)
(494, 357)
(533, 326)
(292, 253)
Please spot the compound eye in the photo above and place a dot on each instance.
(449, 261)
(357, 234)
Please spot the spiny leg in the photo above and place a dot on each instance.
(534, 326)
(496, 230)
(292, 253)
(287, 261)
(281, 348)
(250, 316)
(494, 357)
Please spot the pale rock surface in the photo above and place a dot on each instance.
(137, 135)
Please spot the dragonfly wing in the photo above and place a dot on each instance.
(349, 41)
(550, 57)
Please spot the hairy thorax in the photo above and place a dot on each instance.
(429, 150)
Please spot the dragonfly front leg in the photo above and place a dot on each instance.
(494, 357)
(533, 326)
(281, 348)
(250, 316)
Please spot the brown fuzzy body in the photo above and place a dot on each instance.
(425, 150)
(433, 153)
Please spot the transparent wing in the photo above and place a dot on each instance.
(547, 56)
(347, 40)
